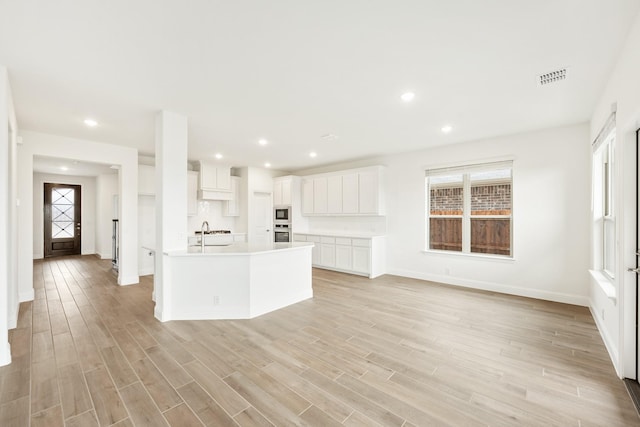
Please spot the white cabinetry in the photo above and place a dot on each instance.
(192, 193)
(146, 180)
(282, 191)
(343, 253)
(357, 255)
(307, 196)
(232, 207)
(334, 194)
(214, 181)
(345, 193)
(320, 195)
(350, 193)
(327, 251)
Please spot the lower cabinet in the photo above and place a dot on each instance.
(363, 256)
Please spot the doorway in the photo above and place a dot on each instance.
(262, 218)
(62, 219)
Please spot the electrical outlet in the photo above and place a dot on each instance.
(603, 314)
(447, 271)
(216, 300)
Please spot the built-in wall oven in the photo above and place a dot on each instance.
(282, 214)
(282, 233)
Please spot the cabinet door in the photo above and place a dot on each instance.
(286, 191)
(334, 194)
(208, 177)
(232, 207)
(328, 254)
(343, 257)
(192, 193)
(307, 196)
(361, 259)
(223, 178)
(277, 192)
(320, 195)
(146, 180)
(350, 193)
(368, 192)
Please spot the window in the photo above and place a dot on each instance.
(469, 209)
(604, 220)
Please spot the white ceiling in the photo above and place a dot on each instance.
(292, 71)
(60, 166)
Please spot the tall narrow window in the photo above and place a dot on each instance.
(469, 209)
(604, 218)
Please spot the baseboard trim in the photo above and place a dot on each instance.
(5, 354)
(606, 338)
(128, 280)
(145, 271)
(104, 256)
(28, 295)
(495, 287)
(633, 388)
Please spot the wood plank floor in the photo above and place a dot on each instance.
(390, 351)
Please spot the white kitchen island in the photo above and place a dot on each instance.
(239, 281)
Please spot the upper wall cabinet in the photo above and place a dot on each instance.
(282, 190)
(146, 180)
(232, 207)
(214, 181)
(344, 193)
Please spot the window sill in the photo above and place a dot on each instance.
(502, 258)
(605, 284)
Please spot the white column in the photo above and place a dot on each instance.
(171, 202)
(5, 349)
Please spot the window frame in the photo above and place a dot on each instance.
(604, 214)
(467, 215)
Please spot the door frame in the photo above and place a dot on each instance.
(77, 220)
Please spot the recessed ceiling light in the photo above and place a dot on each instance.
(408, 96)
(64, 168)
(267, 165)
(263, 141)
(90, 122)
(218, 156)
(446, 129)
(313, 154)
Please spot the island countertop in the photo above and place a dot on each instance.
(239, 248)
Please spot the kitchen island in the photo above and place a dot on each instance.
(237, 281)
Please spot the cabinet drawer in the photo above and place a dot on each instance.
(343, 241)
(315, 239)
(325, 239)
(365, 243)
(299, 238)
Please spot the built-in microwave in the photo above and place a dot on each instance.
(282, 214)
(281, 233)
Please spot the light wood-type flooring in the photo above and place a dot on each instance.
(390, 351)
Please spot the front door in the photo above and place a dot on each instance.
(62, 233)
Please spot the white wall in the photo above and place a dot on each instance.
(9, 294)
(551, 215)
(106, 190)
(616, 319)
(211, 211)
(146, 233)
(87, 209)
(39, 144)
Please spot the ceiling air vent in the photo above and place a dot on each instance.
(552, 77)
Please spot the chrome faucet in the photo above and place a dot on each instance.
(202, 234)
